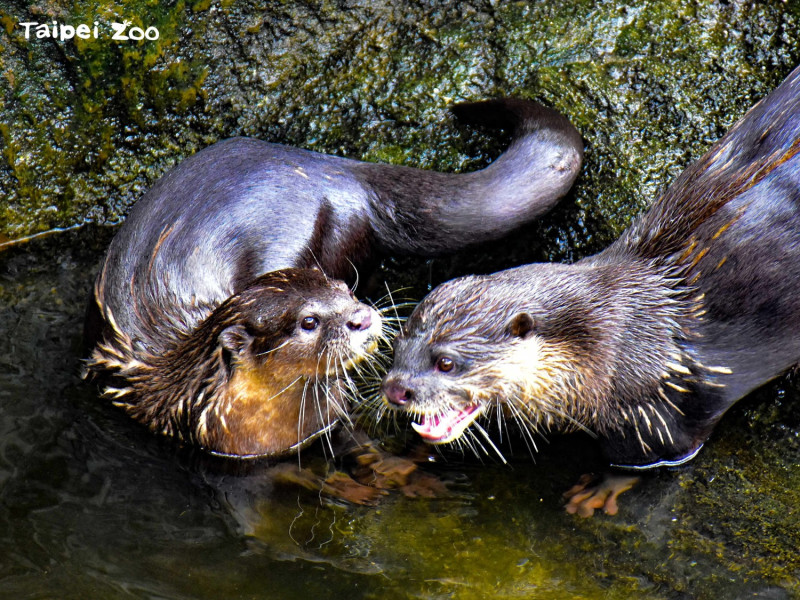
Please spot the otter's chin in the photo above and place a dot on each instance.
(448, 426)
(363, 353)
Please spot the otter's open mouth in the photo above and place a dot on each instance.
(446, 427)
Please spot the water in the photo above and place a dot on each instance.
(92, 506)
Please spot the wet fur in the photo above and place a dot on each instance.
(236, 231)
(243, 382)
(648, 343)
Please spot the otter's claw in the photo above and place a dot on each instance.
(593, 492)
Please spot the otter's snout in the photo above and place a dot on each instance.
(396, 393)
(360, 319)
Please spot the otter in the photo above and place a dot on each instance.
(648, 343)
(260, 375)
(206, 306)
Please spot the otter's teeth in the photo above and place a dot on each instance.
(446, 427)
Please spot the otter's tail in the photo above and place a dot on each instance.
(425, 212)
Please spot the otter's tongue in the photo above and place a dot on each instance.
(443, 428)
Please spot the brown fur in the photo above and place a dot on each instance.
(247, 380)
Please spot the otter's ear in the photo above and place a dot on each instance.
(521, 325)
(235, 339)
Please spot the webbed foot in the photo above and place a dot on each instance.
(593, 492)
(337, 485)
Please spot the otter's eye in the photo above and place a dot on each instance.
(445, 364)
(309, 323)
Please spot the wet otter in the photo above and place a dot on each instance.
(645, 344)
(259, 375)
(205, 303)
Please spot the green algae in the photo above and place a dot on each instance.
(749, 492)
(649, 86)
(77, 112)
(472, 546)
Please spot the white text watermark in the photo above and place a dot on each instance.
(121, 32)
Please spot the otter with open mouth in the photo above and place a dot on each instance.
(646, 344)
(209, 323)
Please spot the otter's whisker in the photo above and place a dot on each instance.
(300, 418)
(355, 270)
(528, 426)
(275, 349)
(336, 402)
(499, 417)
(389, 296)
(472, 442)
(391, 299)
(489, 441)
(316, 388)
(351, 392)
(373, 370)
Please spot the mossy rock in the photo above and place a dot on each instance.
(87, 125)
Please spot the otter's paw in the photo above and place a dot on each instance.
(342, 486)
(384, 471)
(377, 468)
(593, 492)
(338, 485)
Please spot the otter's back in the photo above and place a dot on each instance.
(229, 213)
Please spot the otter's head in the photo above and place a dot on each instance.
(297, 323)
(516, 341)
(277, 353)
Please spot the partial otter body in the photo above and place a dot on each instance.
(647, 343)
(200, 310)
(260, 375)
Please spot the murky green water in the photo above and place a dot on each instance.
(91, 506)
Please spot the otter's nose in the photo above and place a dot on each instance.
(360, 320)
(396, 393)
